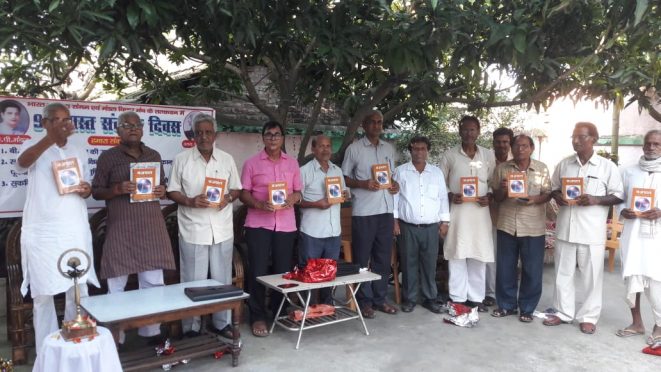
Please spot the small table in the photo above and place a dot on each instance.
(134, 309)
(342, 313)
(94, 355)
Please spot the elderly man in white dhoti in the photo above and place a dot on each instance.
(52, 223)
(640, 243)
(469, 243)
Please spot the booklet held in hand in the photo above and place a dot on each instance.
(381, 174)
(146, 176)
(277, 194)
(67, 175)
(572, 188)
(214, 189)
(642, 200)
(469, 190)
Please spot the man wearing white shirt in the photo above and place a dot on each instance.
(320, 221)
(581, 229)
(641, 239)
(52, 223)
(422, 213)
(206, 234)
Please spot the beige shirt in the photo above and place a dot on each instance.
(204, 226)
(514, 217)
(586, 224)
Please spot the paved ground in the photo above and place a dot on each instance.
(420, 341)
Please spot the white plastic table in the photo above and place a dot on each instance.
(96, 355)
(342, 313)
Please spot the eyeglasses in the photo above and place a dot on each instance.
(272, 136)
(131, 126)
(581, 137)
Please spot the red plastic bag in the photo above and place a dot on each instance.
(317, 270)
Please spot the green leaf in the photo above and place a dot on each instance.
(107, 48)
(520, 41)
(133, 15)
(54, 4)
(641, 7)
(434, 3)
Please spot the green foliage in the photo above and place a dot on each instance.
(407, 58)
(613, 157)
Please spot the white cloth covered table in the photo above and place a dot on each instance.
(96, 355)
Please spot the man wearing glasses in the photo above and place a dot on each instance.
(206, 233)
(270, 232)
(581, 229)
(136, 238)
(52, 223)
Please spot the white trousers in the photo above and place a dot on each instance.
(652, 288)
(467, 277)
(653, 293)
(590, 261)
(196, 262)
(490, 288)
(45, 317)
(146, 279)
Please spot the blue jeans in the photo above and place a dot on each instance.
(310, 247)
(531, 251)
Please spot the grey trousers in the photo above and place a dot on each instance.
(418, 251)
(196, 261)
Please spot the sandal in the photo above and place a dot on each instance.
(259, 329)
(385, 308)
(526, 318)
(499, 313)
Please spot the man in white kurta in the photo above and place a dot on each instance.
(581, 229)
(640, 242)
(52, 223)
(206, 233)
(469, 243)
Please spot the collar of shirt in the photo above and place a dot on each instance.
(477, 151)
(532, 166)
(410, 167)
(366, 142)
(215, 154)
(264, 156)
(593, 159)
(125, 149)
(317, 165)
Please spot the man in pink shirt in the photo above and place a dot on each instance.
(270, 228)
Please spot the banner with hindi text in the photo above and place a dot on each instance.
(167, 129)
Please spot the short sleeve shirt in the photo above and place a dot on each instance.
(204, 226)
(586, 224)
(315, 222)
(258, 172)
(515, 218)
(357, 165)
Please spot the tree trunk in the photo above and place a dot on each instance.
(615, 130)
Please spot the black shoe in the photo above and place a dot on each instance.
(489, 301)
(225, 332)
(432, 306)
(191, 334)
(408, 306)
(480, 306)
